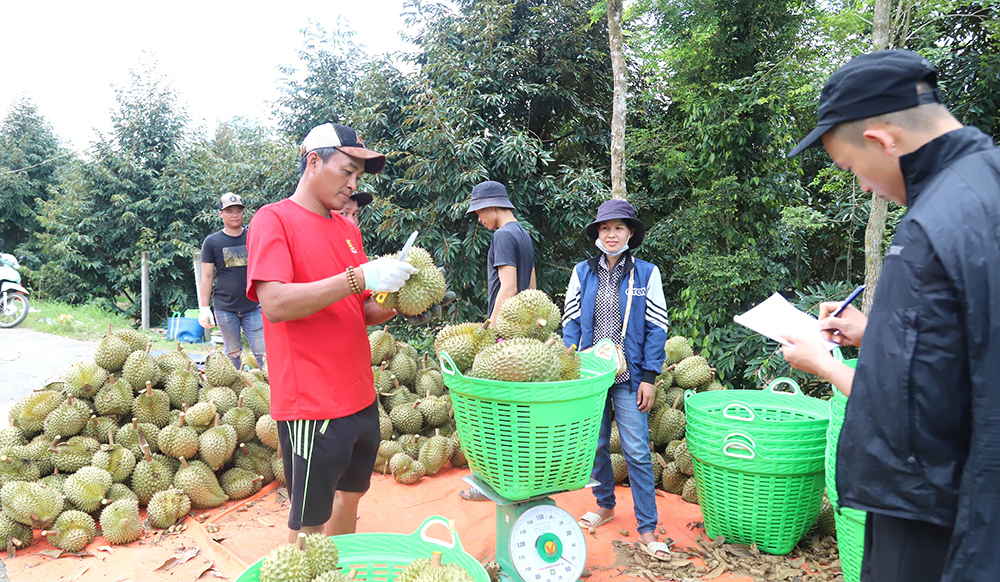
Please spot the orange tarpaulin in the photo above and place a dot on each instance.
(246, 534)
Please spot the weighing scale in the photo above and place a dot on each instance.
(536, 541)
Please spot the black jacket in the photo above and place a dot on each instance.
(921, 437)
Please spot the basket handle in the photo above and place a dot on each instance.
(438, 520)
(796, 391)
(747, 448)
(448, 365)
(739, 434)
(730, 416)
(837, 354)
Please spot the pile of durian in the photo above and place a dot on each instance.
(315, 558)
(127, 430)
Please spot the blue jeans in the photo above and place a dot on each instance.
(252, 323)
(633, 427)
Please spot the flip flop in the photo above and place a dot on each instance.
(654, 547)
(591, 519)
(472, 494)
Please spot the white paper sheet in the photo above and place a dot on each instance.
(776, 317)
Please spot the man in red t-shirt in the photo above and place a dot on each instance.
(308, 270)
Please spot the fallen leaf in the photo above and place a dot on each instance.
(679, 563)
(753, 548)
(718, 571)
(51, 553)
(170, 563)
(785, 573)
(739, 551)
(80, 573)
(188, 554)
(265, 521)
(178, 559)
(217, 538)
(281, 495)
(207, 567)
(797, 562)
(105, 549)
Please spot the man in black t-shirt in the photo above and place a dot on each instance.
(510, 265)
(224, 257)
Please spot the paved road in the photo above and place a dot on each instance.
(28, 358)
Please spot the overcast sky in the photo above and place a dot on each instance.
(221, 56)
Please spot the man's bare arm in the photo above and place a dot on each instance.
(508, 288)
(375, 315)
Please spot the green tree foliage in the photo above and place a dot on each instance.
(30, 156)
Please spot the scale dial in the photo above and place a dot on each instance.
(547, 545)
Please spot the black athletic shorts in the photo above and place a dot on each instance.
(903, 550)
(321, 457)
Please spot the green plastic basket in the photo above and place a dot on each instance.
(772, 511)
(740, 455)
(769, 408)
(783, 447)
(850, 542)
(527, 439)
(380, 557)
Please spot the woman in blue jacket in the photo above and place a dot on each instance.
(618, 297)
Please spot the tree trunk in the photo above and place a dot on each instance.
(618, 104)
(876, 220)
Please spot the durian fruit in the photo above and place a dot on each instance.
(615, 440)
(167, 508)
(568, 359)
(287, 563)
(422, 290)
(407, 349)
(666, 376)
(690, 491)
(115, 459)
(682, 456)
(172, 361)
(114, 398)
(399, 397)
(219, 370)
(516, 360)
(267, 431)
(658, 463)
(407, 470)
(404, 368)
(278, 468)
(530, 314)
(248, 361)
(692, 371)
(386, 430)
(432, 570)
(257, 397)
(72, 531)
(177, 440)
(411, 444)
(67, 419)
(118, 491)
(73, 454)
(672, 480)
(435, 453)
(133, 339)
(464, 341)
(386, 450)
(37, 452)
(242, 419)
(13, 469)
(711, 386)
(112, 352)
(151, 475)
(128, 437)
(256, 459)
(382, 345)
(55, 480)
(11, 437)
(429, 380)
(31, 503)
(84, 379)
(152, 406)
(382, 377)
(619, 467)
(670, 451)
(407, 419)
(676, 349)
(29, 413)
(201, 416)
(668, 424)
(139, 368)
(825, 523)
(675, 397)
(435, 411)
(458, 459)
(182, 386)
(321, 553)
(120, 522)
(216, 445)
(223, 397)
(97, 427)
(239, 483)
(14, 533)
(199, 482)
(86, 488)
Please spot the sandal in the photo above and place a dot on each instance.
(472, 494)
(591, 519)
(655, 547)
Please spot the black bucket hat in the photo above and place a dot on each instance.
(618, 210)
(489, 194)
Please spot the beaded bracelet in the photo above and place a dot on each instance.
(352, 278)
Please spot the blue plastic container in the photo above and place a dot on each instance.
(185, 329)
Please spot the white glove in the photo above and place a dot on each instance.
(205, 317)
(386, 274)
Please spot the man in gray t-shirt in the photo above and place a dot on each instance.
(510, 264)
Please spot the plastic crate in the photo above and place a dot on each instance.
(382, 556)
(527, 439)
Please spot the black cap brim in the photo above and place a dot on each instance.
(812, 140)
(362, 198)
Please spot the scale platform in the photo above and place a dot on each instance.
(536, 541)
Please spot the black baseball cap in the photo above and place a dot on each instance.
(870, 85)
(345, 139)
(362, 198)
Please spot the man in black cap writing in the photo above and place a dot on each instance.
(919, 446)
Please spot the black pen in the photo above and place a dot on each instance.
(854, 295)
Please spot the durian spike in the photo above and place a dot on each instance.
(435, 559)
(149, 388)
(184, 462)
(180, 420)
(300, 541)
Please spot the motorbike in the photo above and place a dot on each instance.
(13, 297)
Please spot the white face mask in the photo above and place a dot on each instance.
(600, 245)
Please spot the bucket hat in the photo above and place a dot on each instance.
(489, 194)
(618, 210)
